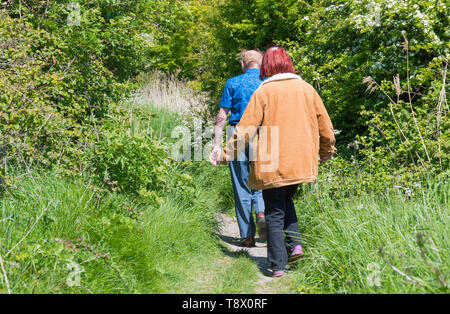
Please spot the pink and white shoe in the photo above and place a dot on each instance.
(279, 273)
(296, 254)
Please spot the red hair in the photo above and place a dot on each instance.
(275, 61)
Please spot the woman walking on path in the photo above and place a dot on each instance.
(290, 126)
(235, 98)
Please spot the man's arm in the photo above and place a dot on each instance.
(221, 119)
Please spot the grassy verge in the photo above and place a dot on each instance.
(63, 235)
(375, 243)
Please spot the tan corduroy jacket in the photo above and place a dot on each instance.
(289, 126)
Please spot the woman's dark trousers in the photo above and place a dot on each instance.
(282, 224)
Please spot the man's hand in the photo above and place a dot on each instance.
(215, 154)
(325, 158)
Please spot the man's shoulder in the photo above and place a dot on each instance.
(236, 79)
(243, 84)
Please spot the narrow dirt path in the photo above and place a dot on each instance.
(229, 233)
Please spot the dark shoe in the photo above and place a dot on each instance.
(262, 228)
(248, 242)
(296, 254)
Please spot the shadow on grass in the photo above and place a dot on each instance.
(261, 261)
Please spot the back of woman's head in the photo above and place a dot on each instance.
(276, 61)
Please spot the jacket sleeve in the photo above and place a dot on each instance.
(246, 129)
(326, 131)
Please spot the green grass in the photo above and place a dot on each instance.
(342, 238)
(160, 124)
(120, 245)
(172, 248)
(240, 269)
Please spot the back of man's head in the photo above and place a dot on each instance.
(251, 58)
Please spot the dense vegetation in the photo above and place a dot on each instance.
(86, 178)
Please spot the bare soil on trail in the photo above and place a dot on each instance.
(229, 233)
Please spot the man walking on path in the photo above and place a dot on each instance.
(236, 95)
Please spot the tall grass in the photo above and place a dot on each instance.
(372, 243)
(167, 91)
(118, 245)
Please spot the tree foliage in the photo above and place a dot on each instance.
(337, 46)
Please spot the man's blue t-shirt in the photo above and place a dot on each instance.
(237, 93)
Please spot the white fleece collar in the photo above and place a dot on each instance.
(281, 76)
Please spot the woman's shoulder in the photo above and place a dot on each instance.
(285, 87)
(287, 82)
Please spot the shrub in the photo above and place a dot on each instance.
(57, 79)
(129, 159)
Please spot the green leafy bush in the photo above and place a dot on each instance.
(334, 45)
(127, 158)
(58, 78)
